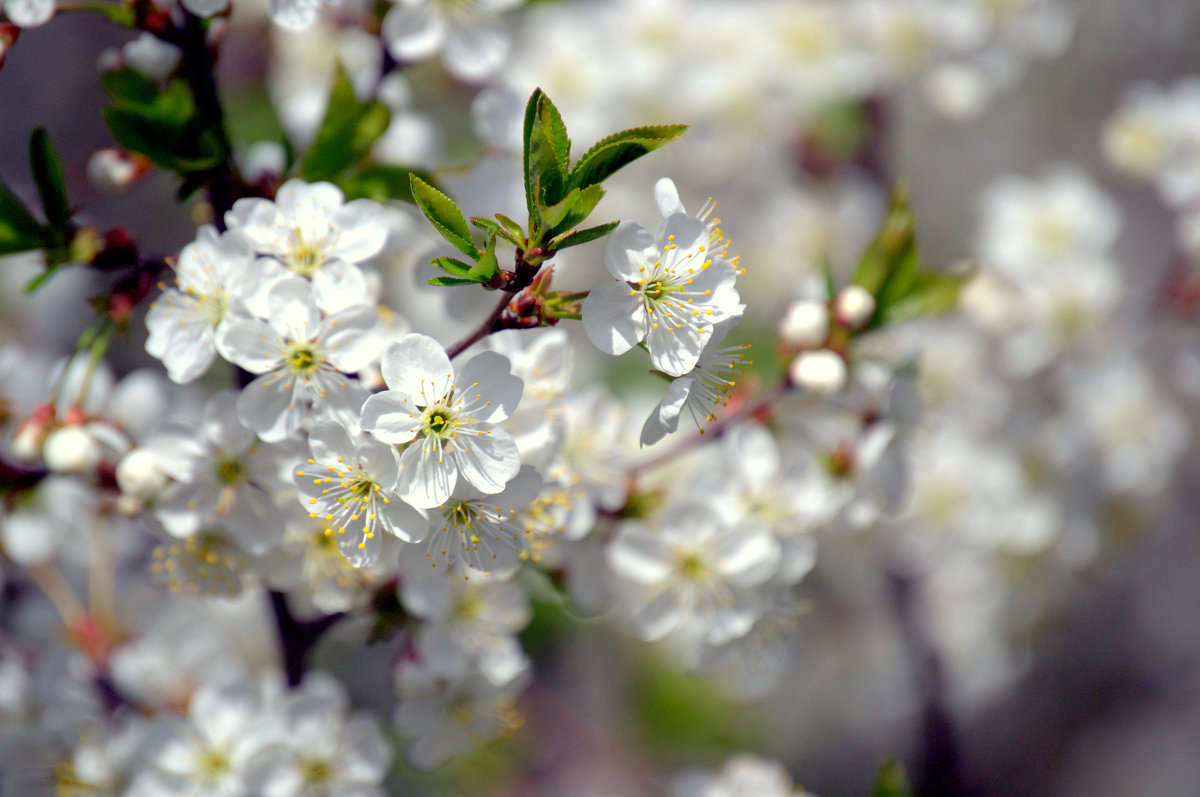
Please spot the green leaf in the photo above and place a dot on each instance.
(930, 294)
(573, 209)
(609, 155)
(129, 85)
(446, 282)
(487, 225)
(381, 182)
(452, 266)
(577, 237)
(893, 250)
(513, 229)
(159, 140)
(19, 230)
(445, 216)
(546, 150)
(486, 267)
(48, 175)
(891, 781)
(345, 136)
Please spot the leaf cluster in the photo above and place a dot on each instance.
(20, 230)
(890, 270)
(559, 195)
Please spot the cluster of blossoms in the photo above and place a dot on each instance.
(1154, 136)
(317, 458)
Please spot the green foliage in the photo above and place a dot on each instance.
(890, 269)
(162, 124)
(381, 182)
(891, 781)
(611, 154)
(19, 230)
(48, 175)
(448, 220)
(560, 197)
(444, 215)
(345, 136)
(577, 237)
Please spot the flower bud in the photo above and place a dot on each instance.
(820, 371)
(70, 449)
(28, 440)
(854, 306)
(151, 56)
(805, 324)
(138, 475)
(115, 170)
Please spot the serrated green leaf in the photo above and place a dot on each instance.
(546, 148)
(930, 294)
(19, 230)
(526, 136)
(452, 266)
(449, 281)
(611, 154)
(444, 215)
(487, 225)
(346, 134)
(578, 237)
(486, 267)
(573, 209)
(48, 176)
(891, 781)
(129, 85)
(381, 182)
(513, 229)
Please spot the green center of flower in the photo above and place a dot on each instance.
(304, 259)
(653, 290)
(230, 472)
(691, 566)
(214, 764)
(316, 772)
(439, 421)
(302, 358)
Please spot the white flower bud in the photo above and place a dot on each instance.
(854, 306)
(27, 443)
(805, 323)
(151, 56)
(821, 371)
(138, 475)
(70, 449)
(263, 159)
(113, 170)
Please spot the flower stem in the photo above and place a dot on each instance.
(198, 68)
(485, 328)
(297, 637)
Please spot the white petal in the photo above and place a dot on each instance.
(270, 407)
(639, 556)
(413, 33)
(630, 247)
(686, 233)
(339, 285)
(293, 14)
(488, 461)
(666, 196)
(475, 53)
(330, 445)
(417, 366)
(391, 417)
(614, 318)
(662, 613)
(487, 387)
(664, 419)
(427, 478)
(28, 13)
(352, 340)
(675, 351)
(252, 345)
(746, 557)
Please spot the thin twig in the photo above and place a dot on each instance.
(297, 637)
(485, 328)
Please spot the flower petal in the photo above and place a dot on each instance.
(488, 461)
(614, 318)
(630, 247)
(417, 367)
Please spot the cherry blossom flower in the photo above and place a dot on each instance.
(671, 290)
(448, 421)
